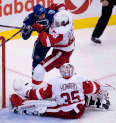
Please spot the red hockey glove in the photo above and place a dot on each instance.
(53, 6)
(39, 27)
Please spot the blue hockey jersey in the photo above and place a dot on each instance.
(31, 18)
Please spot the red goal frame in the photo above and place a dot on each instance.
(3, 73)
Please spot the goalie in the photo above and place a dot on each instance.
(72, 93)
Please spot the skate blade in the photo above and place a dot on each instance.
(95, 44)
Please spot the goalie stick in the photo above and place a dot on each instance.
(106, 86)
(109, 87)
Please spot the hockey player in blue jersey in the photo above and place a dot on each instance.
(40, 20)
(40, 17)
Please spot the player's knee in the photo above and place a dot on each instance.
(39, 73)
(36, 62)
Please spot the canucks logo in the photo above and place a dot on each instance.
(51, 11)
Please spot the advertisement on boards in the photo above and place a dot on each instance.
(13, 12)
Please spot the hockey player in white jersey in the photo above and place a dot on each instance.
(69, 90)
(61, 38)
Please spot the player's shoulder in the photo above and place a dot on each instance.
(55, 80)
(79, 78)
(29, 17)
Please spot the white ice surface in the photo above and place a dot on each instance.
(90, 61)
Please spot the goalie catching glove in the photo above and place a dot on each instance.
(101, 99)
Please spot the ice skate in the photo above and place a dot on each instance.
(95, 41)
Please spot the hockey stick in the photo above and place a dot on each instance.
(11, 37)
(12, 27)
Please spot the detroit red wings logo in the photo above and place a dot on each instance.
(74, 9)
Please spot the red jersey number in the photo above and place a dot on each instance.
(73, 97)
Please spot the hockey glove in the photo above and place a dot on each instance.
(28, 29)
(21, 87)
(26, 33)
(39, 27)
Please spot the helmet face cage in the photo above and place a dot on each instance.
(67, 70)
(38, 10)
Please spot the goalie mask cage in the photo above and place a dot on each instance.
(2, 73)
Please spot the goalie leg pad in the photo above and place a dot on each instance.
(37, 103)
(38, 106)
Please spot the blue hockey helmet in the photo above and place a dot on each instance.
(38, 9)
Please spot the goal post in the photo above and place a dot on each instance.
(3, 91)
(9, 69)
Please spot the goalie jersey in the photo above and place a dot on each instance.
(69, 93)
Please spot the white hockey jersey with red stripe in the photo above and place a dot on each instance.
(61, 38)
(68, 92)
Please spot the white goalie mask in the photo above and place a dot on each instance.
(60, 19)
(67, 70)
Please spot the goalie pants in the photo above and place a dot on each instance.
(52, 112)
(16, 101)
(57, 59)
(103, 20)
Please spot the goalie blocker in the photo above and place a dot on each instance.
(73, 93)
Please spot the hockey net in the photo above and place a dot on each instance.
(2, 72)
(9, 70)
